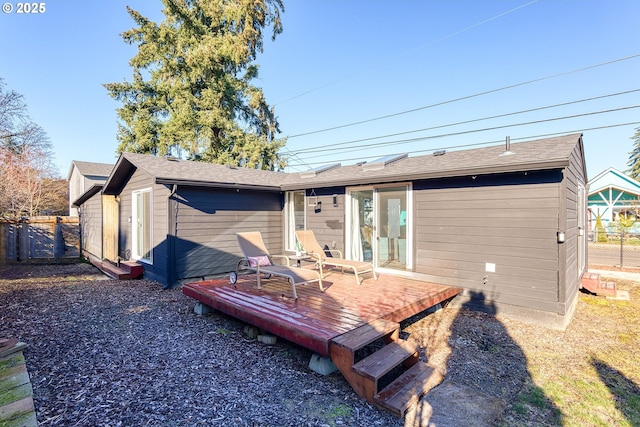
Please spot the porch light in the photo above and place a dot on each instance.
(561, 236)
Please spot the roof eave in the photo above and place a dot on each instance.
(214, 184)
(554, 164)
(92, 191)
(122, 171)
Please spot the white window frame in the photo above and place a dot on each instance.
(135, 249)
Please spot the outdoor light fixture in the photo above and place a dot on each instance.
(560, 235)
(335, 200)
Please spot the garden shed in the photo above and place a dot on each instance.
(505, 222)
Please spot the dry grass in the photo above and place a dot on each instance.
(588, 375)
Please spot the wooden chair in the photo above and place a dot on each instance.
(257, 259)
(310, 244)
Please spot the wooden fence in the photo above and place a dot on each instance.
(39, 238)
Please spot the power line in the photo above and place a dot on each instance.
(467, 97)
(343, 143)
(448, 36)
(423, 138)
(477, 144)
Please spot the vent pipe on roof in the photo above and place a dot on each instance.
(507, 148)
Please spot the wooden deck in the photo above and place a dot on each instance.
(315, 318)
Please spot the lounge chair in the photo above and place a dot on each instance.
(310, 244)
(257, 258)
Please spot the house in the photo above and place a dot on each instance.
(610, 193)
(179, 218)
(504, 222)
(82, 175)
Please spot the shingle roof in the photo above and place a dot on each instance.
(91, 168)
(527, 156)
(532, 155)
(171, 171)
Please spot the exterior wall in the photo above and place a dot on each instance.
(157, 270)
(78, 184)
(206, 223)
(465, 227)
(76, 188)
(571, 272)
(328, 221)
(91, 226)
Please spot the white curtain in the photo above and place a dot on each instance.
(291, 222)
(356, 240)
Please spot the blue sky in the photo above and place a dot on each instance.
(343, 62)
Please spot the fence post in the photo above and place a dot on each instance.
(621, 248)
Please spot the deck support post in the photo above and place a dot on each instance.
(322, 365)
(202, 309)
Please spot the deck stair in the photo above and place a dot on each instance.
(381, 367)
(594, 284)
(124, 270)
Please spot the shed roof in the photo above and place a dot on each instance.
(548, 153)
(91, 168)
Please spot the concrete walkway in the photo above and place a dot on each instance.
(16, 394)
(617, 274)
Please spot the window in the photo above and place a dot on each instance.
(141, 225)
(294, 215)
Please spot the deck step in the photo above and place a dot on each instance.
(594, 284)
(125, 271)
(387, 358)
(366, 334)
(408, 388)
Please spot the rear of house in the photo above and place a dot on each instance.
(505, 223)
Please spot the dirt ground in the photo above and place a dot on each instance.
(114, 353)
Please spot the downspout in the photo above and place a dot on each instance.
(172, 226)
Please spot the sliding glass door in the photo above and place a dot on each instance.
(378, 226)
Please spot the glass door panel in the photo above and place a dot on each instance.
(391, 210)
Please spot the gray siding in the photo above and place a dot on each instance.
(571, 275)
(328, 221)
(462, 227)
(207, 221)
(91, 226)
(76, 188)
(157, 270)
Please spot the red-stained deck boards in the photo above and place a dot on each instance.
(315, 318)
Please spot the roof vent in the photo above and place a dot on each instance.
(382, 162)
(440, 153)
(313, 172)
(507, 148)
(171, 158)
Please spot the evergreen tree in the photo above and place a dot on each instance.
(634, 157)
(191, 91)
